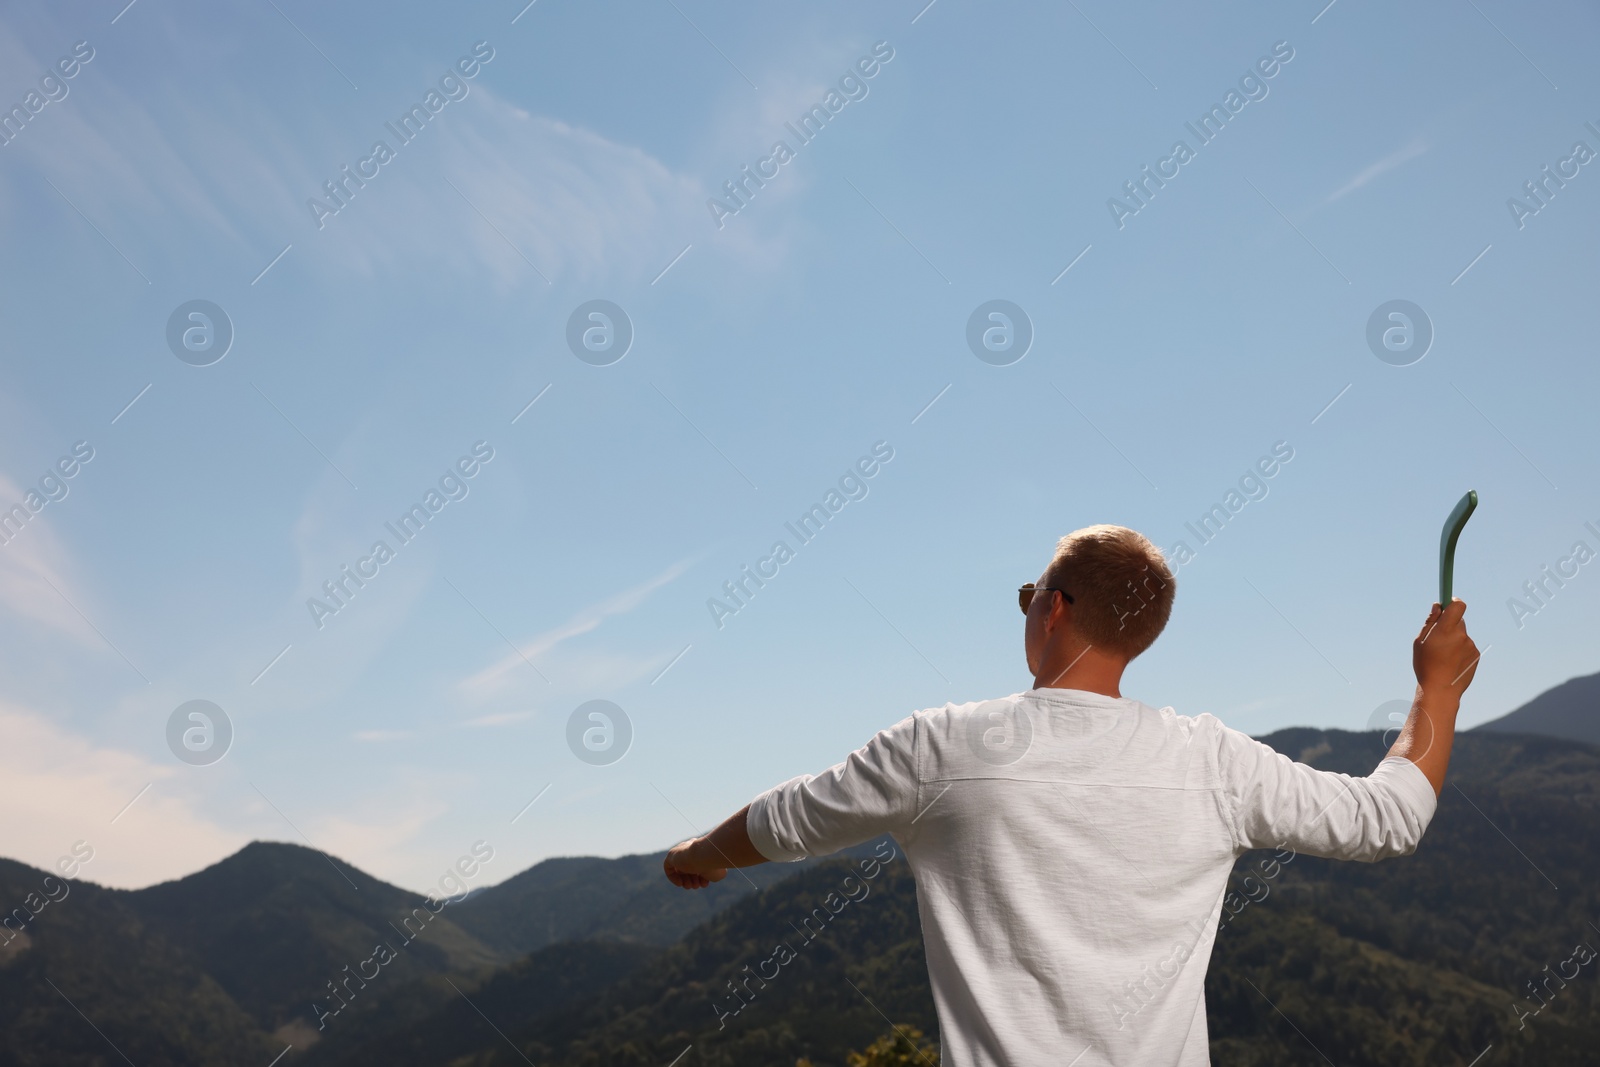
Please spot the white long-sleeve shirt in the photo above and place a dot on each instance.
(1071, 854)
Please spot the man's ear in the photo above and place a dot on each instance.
(1060, 616)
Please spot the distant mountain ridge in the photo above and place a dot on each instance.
(1410, 962)
(571, 898)
(1570, 710)
(583, 960)
(91, 951)
(339, 913)
(269, 937)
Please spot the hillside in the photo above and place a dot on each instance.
(89, 951)
(1414, 961)
(292, 923)
(1409, 962)
(257, 938)
(587, 898)
(1570, 710)
(667, 1004)
(541, 984)
(1419, 960)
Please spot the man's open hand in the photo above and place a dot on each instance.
(1443, 656)
(688, 867)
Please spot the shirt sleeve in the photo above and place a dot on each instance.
(1276, 801)
(874, 791)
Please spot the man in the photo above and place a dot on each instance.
(1071, 846)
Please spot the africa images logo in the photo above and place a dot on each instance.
(1207, 128)
(453, 87)
(852, 86)
(805, 529)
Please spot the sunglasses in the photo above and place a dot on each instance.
(1025, 594)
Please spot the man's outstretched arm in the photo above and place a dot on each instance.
(1276, 801)
(1445, 659)
(699, 861)
(873, 791)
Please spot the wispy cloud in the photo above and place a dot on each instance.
(149, 167)
(1250, 706)
(35, 582)
(490, 680)
(378, 834)
(382, 735)
(608, 670)
(501, 719)
(58, 787)
(1382, 166)
(171, 175)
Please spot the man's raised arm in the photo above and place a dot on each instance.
(1445, 659)
(1276, 801)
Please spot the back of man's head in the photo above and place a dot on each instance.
(1121, 587)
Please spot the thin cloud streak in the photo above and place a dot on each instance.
(488, 680)
(1382, 166)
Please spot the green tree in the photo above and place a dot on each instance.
(902, 1048)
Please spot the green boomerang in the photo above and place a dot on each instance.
(1447, 543)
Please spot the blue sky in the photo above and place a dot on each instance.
(769, 354)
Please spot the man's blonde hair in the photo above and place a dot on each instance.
(1121, 587)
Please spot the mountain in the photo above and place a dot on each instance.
(585, 898)
(222, 966)
(1425, 960)
(678, 996)
(1570, 710)
(1422, 960)
(84, 979)
(588, 898)
(585, 922)
(539, 985)
(275, 924)
(258, 938)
